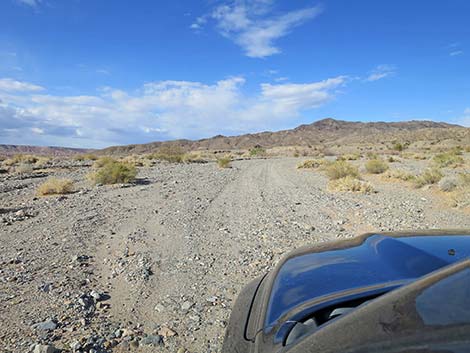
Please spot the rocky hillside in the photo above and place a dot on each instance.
(7, 150)
(323, 132)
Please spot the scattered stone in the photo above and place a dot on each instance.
(166, 332)
(44, 348)
(186, 306)
(152, 340)
(47, 325)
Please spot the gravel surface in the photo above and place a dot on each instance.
(157, 265)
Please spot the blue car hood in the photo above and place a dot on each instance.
(377, 260)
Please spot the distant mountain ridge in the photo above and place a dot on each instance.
(323, 132)
(8, 150)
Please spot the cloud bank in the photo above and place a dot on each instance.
(155, 111)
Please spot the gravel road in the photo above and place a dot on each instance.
(156, 266)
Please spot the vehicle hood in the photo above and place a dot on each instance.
(372, 261)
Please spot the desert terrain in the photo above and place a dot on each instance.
(155, 264)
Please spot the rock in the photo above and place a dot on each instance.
(96, 295)
(186, 306)
(159, 308)
(44, 348)
(152, 340)
(47, 325)
(75, 345)
(166, 332)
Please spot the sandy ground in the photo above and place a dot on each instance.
(168, 255)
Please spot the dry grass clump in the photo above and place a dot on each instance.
(19, 159)
(461, 195)
(55, 186)
(24, 168)
(397, 174)
(224, 162)
(448, 184)
(341, 169)
(376, 166)
(428, 177)
(448, 159)
(114, 172)
(311, 164)
(349, 157)
(350, 184)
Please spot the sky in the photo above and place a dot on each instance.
(95, 73)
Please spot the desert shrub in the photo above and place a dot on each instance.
(349, 157)
(55, 186)
(397, 146)
(20, 158)
(461, 195)
(85, 157)
(429, 176)
(419, 157)
(224, 162)
(194, 157)
(350, 184)
(372, 155)
(102, 161)
(311, 164)
(376, 166)
(392, 159)
(341, 169)
(114, 172)
(464, 179)
(448, 184)
(447, 159)
(42, 161)
(467, 148)
(169, 153)
(24, 168)
(257, 151)
(397, 174)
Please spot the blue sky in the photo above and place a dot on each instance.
(93, 73)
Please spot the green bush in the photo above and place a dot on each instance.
(397, 146)
(169, 153)
(85, 157)
(397, 175)
(447, 159)
(224, 162)
(114, 172)
(429, 176)
(102, 161)
(341, 169)
(257, 151)
(376, 166)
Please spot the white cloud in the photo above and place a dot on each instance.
(380, 72)
(9, 85)
(456, 53)
(32, 3)
(156, 111)
(251, 27)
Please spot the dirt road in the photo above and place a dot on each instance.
(173, 251)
